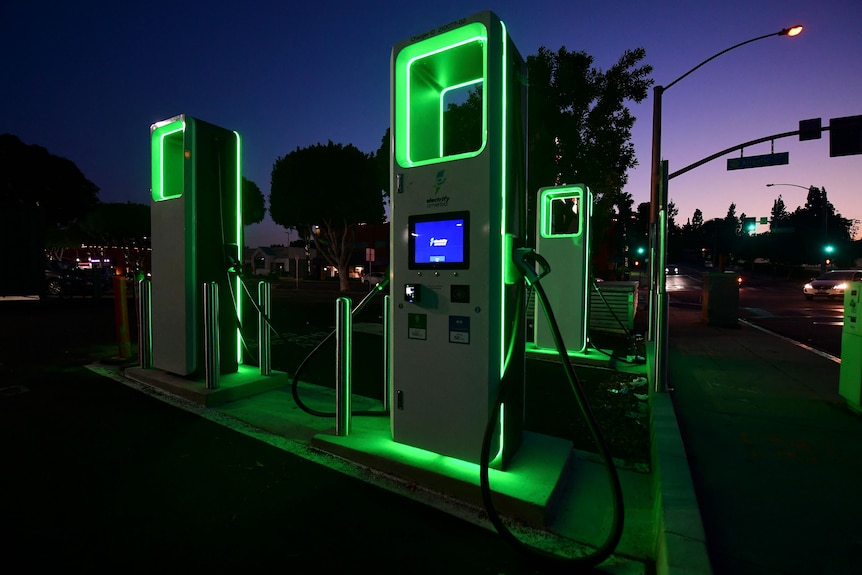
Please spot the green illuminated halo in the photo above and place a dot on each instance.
(561, 193)
(167, 160)
(424, 73)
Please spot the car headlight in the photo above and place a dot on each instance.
(808, 286)
(841, 286)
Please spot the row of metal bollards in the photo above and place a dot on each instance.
(343, 344)
(212, 360)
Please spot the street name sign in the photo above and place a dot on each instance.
(778, 159)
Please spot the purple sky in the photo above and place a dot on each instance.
(86, 80)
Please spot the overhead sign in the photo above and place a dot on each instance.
(845, 136)
(778, 159)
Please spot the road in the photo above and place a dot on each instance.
(773, 304)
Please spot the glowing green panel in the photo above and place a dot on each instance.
(425, 73)
(562, 213)
(168, 160)
(239, 241)
(505, 238)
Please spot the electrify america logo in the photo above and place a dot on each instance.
(436, 200)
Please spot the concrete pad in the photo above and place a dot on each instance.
(527, 490)
(245, 382)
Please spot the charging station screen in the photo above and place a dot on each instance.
(440, 241)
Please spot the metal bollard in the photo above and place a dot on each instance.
(343, 332)
(121, 318)
(212, 361)
(386, 335)
(264, 341)
(145, 324)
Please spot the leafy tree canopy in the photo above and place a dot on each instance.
(580, 132)
(253, 208)
(580, 126)
(115, 224)
(30, 175)
(329, 188)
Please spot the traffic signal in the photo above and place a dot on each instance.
(749, 225)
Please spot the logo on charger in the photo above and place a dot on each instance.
(435, 201)
(438, 243)
(441, 179)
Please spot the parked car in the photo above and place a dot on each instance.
(55, 275)
(831, 284)
(371, 279)
(66, 279)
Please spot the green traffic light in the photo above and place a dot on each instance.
(829, 249)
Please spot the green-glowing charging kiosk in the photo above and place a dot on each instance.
(196, 227)
(850, 375)
(563, 239)
(458, 120)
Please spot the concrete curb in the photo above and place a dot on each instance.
(680, 539)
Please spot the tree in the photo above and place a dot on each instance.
(125, 226)
(697, 219)
(779, 215)
(816, 225)
(305, 196)
(381, 162)
(580, 127)
(31, 176)
(253, 209)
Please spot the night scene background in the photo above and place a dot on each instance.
(86, 81)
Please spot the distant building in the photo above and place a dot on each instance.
(370, 253)
(281, 261)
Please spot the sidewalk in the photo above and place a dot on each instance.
(775, 455)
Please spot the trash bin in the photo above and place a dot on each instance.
(720, 301)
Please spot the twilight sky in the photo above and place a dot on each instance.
(87, 79)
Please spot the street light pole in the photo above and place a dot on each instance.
(658, 205)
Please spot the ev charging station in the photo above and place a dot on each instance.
(196, 232)
(458, 210)
(850, 375)
(563, 239)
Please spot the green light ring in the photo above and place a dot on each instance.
(586, 213)
(473, 32)
(160, 132)
(483, 39)
(548, 196)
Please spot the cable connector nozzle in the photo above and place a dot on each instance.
(525, 260)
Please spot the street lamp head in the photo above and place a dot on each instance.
(792, 31)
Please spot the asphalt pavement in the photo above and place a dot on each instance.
(109, 477)
(100, 477)
(102, 474)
